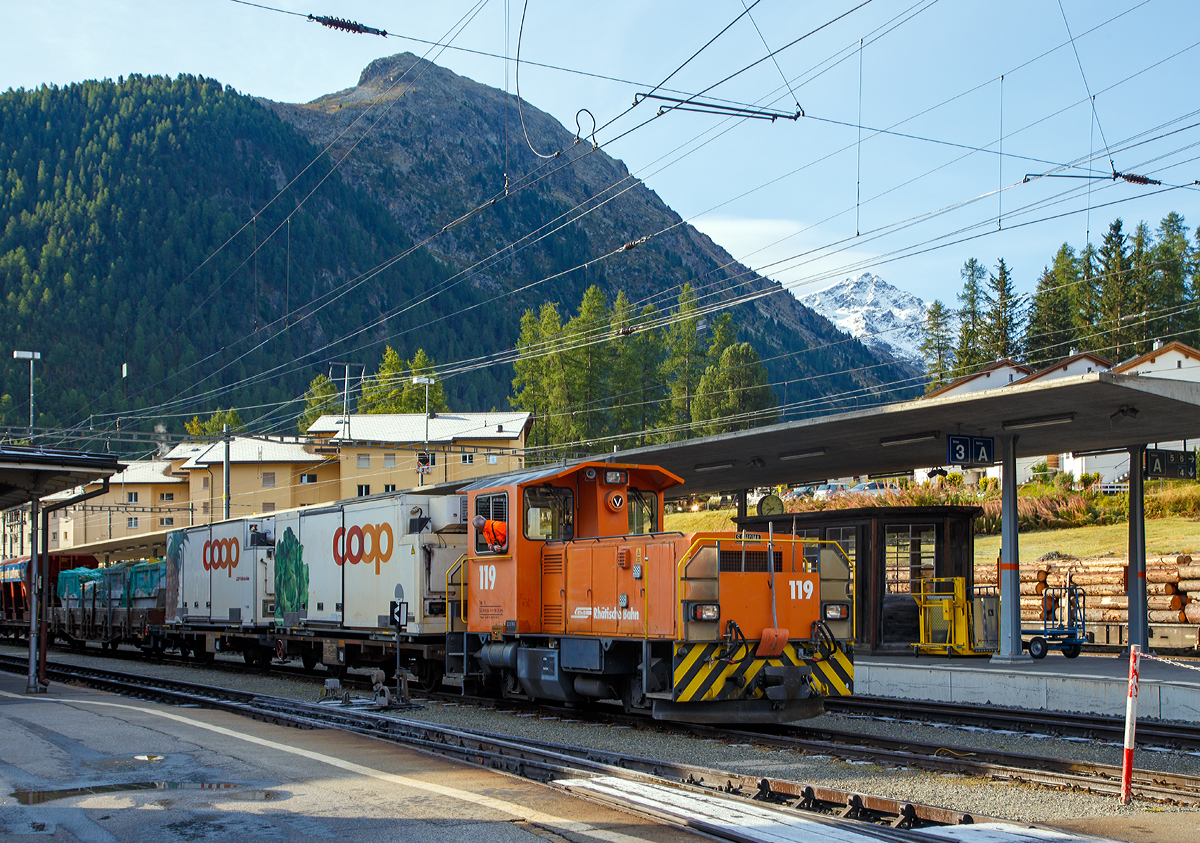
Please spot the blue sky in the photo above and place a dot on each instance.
(803, 200)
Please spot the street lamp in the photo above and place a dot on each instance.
(428, 382)
(30, 356)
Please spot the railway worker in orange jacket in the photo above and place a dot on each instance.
(495, 533)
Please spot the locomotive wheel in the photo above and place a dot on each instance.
(203, 656)
(309, 659)
(428, 673)
(248, 657)
(336, 671)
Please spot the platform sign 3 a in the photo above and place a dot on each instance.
(970, 450)
(1170, 465)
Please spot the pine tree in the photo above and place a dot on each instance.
(687, 358)
(1171, 257)
(538, 384)
(969, 355)
(937, 345)
(391, 388)
(1003, 317)
(1116, 292)
(212, 426)
(321, 399)
(1050, 329)
(1086, 303)
(636, 383)
(587, 367)
(733, 394)
(413, 398)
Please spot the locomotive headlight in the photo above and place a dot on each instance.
(837, 611)
(706, 612)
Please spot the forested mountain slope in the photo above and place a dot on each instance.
(114, 197)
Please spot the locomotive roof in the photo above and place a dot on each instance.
(664, 478)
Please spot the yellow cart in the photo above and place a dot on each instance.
(955, 623)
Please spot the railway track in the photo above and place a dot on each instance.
(1184, 736)
(538, 760)
(938, 757)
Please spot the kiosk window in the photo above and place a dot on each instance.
(910, 550)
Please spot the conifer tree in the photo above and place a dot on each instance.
(587, 366)
(537, 386)
(687, 358)
(1003, 317)
(1116, 292)
(1171, 258)
(636, 384)
(734, 393)
(212, 426)
(1050, 329)
(321, 399)
(391, 390)
(969, 355)
(937, 345)
(1086, 302)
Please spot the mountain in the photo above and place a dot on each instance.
(229, 248)
(881, 316)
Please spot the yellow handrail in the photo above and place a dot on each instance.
(462, 594)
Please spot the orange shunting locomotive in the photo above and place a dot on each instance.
(572, 591)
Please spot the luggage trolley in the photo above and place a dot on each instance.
(1062, 623)
(955, 624)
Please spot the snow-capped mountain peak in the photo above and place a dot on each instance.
(882, 316)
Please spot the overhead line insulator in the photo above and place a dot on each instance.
(347, 25)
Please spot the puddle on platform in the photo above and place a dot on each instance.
(36, 797)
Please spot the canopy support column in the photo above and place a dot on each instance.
(1139, 633)
(1011, 650)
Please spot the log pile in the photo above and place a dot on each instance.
(1172, 587)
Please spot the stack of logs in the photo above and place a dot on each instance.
(1172, 588)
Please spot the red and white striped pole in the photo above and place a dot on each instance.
(1135, 664)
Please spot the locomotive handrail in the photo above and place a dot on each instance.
(462, 593)
(622, 536)
(701, 540)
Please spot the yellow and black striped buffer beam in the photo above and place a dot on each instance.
(706, 672)
(834, 674)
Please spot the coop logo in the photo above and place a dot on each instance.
(370, 544)
(221, 554)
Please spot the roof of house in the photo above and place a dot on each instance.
(1101, 363)
(245, 449)
(978, 373)
(444, 428)
(146, 471)
(1174, 345)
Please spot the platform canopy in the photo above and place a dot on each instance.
(1097, 411)
(28, 473)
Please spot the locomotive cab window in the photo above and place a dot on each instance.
(549, 513)
(643, 512)
(493, 508)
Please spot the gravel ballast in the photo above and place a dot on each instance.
(963, 793)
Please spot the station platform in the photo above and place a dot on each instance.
(77, 764)
(1096, 684)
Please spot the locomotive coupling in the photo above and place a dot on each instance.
(786, 682)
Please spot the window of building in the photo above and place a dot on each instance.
(428, 458)
(166, 497)
(492, 459)
(268, 507)
(363, 490)
(909, 556)
(389, 460)
(308, 479)
(204, 508)
(54, 536)
(131, 497)
(268, 478)
(166, 522)
(493, 507)
(389, 487)
(204, 481)
(468, 459)
(364, 461)
(131, 522)
(54, 515)
(549, 513)
(66, 537)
